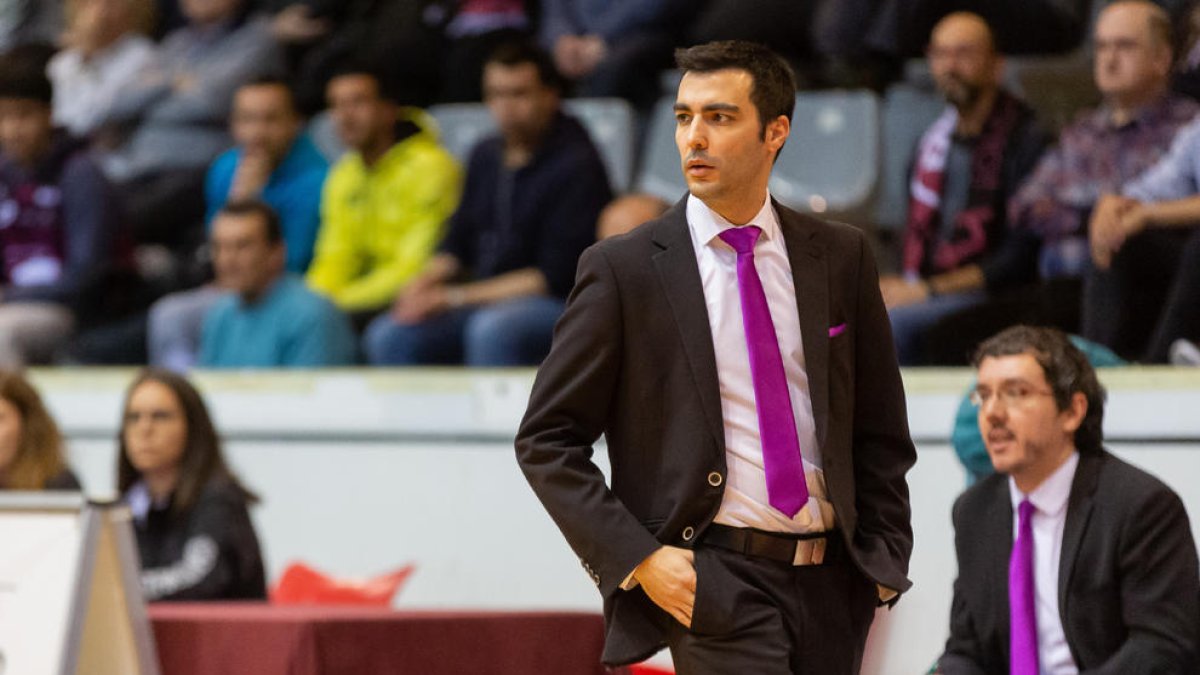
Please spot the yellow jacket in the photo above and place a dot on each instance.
(379, 225)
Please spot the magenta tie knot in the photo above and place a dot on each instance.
(742, 239)
(782, 463)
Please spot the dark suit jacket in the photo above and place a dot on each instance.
(1128, 591)
(633, 359)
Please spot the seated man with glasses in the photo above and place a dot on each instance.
(1070, 560)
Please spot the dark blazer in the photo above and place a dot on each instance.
(1128, 594)
(633, 359)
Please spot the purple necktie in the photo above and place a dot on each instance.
(786, 490)
(1023, 645)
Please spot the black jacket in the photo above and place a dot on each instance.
(1129, 595)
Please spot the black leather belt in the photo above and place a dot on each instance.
(820, 548)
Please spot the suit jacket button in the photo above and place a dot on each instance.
(715, 479)
(688, 533)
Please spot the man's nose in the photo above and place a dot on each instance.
(695, 135)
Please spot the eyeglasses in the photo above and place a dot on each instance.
(1013, 395)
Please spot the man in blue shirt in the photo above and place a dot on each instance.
(1140, 297)
(272, 161)
(270, 319)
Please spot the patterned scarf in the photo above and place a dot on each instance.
(924, 252)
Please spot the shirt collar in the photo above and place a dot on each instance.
(709, 224)
(1149, 114)
(139, 501)
(273, 289)
(1050, 498)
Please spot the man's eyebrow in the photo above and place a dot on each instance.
(709, 107)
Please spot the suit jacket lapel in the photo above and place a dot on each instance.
(1079, 511)
(810, 273)
(680, 277)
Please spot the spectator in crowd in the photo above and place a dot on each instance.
(272, 161)
(1109, 146)
(190, 512)
(385, 202)
(967, 166)
(1186, 77)
(474, 30)
(176, 112)
(611, 47)
(785, 27)
(1020, 26)
(625, 213)
(31, 448)
(270, 319)
(1100, 152)
(1069, 559)
(25, 22)
(494, 290)
(402, 37)
(104, 49)
(1142, 292)
(58, 219)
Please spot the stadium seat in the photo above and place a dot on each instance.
(324, 136)
(659, 173)
(830, 162)
(609, 122)
(908, 110)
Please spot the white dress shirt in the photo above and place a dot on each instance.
(84, 91)
(1049, 518)
(745, 502)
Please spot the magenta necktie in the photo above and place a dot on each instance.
(786, 490)
(1023, 645)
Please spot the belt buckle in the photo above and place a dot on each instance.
(809, 552)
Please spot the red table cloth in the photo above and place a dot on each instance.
(235, 638)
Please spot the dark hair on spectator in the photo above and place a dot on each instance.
(275, 81)
(386, 83)
(1067, 371)
(520, 52)
(23, 73)
(40, 448)
(773, 87)
(202, 459)
(256, 207)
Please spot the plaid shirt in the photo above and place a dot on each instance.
(1093, 157)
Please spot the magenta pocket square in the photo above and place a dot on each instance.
(837, 330)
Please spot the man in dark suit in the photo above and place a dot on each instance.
(737, 357)
(1069, 559)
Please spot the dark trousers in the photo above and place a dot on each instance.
(1148, 298)
(755, 615)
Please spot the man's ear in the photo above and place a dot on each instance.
(1075, 412)
(777, 132)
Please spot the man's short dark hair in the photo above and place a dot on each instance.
(273, 81)
(773, 87)
(257, 207)
(520, 52)
(385, 82)
(23, 74)
(1066, 368)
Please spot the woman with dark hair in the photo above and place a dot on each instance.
(190, 512)
(31, 448)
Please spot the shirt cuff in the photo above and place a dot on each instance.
(629, 583)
